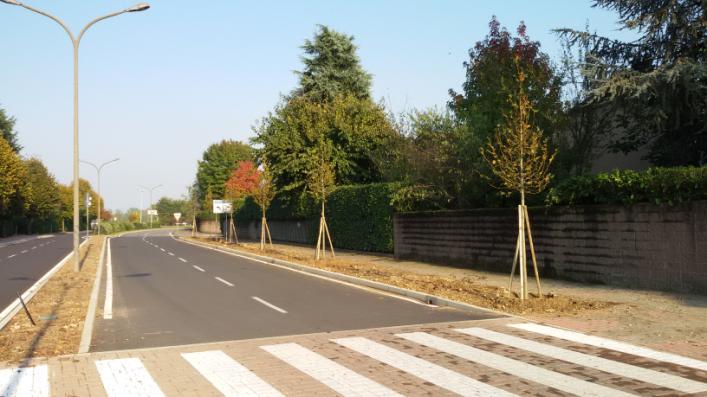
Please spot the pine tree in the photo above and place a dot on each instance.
(332, 68)
(655, 86)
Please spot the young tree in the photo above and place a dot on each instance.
(240, 184)
(519, 157)
(263, 194)
(217, 162)
(331, 68)
(320, 184)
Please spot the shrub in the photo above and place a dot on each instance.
(360, 217)
(654, 185)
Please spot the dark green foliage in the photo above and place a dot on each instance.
(216, 165)
(654, 88)
(117, 227)
(655, 185)
(332, 68)
(7, 130)
(360, 217)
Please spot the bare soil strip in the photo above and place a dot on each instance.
(59, 310)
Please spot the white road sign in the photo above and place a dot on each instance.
(151, 212)
(222, 206)
(177, 215)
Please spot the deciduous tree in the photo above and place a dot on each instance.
(217, 162)
(14, 189)
(241, 184)
(520, 159)
(321, 182)
(7, 131)
(43, 199)
(263, 194)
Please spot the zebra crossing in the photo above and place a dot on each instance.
(498, 358)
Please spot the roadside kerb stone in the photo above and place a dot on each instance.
(422, 297)
(87, 332)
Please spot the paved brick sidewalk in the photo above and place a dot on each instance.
(484, 357)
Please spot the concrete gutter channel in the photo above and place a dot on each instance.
(420, 296)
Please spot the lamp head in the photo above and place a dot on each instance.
(11, 2)
(136, 8)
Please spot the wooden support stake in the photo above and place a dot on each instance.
(331, 245)
(515, 262)
(532, 250)
(522, 264)
(267, 230)
(319, 238)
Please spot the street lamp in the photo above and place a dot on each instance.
(76, 40)
(150, 189)
(98, 172)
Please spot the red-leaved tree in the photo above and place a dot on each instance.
(242, 183)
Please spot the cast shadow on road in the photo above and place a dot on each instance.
(42, 331)
(137, 275)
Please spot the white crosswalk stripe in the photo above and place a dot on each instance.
(25, 382)
(612, 345)
(433, 373)
(343, 380)
(629, 371)
(127, 377)
(228, 376)
(557, 380)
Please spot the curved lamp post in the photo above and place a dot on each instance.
(76, 40)
(150, 189)
(98, 172)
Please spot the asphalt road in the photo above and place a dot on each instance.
(166, 292)
(22, 264)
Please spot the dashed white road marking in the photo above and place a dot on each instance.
(612, 345)
(343, 380)
(433, 373)
(170, 253)
(12, 256)
(162, 249)
(517, 368)
(108, 304)
(183, 260)
(228, 376)
(23, 252)
(198, 268)
(224, 281)
(629, 371)
(34, 247)
(270, 305)
(127, 377)
(26, 381)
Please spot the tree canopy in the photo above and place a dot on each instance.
(44, 200)
(491, 78)
(7, 131)
(331, 68)
(217, 162)
(356, 129)
(14, 188)
(655, 87)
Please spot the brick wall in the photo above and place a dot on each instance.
(642, 246)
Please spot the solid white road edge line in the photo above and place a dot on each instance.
(270, 305)
(361, 287)
(108, 304)
(14, 307)
(224, 281)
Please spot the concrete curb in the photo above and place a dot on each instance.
(420, 296)
(13, 308)
(87, 332)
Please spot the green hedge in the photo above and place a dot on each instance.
(654, 185)
(117, 227)
(359, 217)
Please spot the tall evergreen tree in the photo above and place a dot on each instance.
(332, 68)
(7, 130)
(655, 86)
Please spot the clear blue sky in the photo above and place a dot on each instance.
(158, 87)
